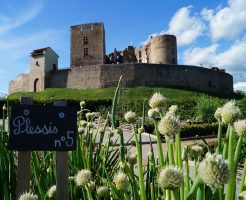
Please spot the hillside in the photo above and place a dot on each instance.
(132, 99)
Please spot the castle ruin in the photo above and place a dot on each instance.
(153, 64)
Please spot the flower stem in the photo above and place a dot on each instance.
(159, 144)
(140, 167)
(242, 184)
(218, 149)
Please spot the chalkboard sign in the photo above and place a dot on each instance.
(34, 127)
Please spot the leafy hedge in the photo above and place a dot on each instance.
(193, 130)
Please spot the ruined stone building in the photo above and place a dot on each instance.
(153, 64)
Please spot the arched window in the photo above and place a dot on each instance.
(37, 86)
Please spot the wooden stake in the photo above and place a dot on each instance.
(62, 191)
(23, 164)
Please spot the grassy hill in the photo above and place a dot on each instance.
(132, 98)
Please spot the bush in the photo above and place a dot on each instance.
(192, 130)
(206, 107)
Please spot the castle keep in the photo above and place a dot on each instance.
(153, 64)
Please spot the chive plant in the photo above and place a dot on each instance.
(106, 167)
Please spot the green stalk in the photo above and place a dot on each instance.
(200, 193)
(140, 167)
(170, 153)
(179, 160)
(229, 186)
(187, 177)
(159, 144)
(242, 184)
(225, 148)
(122, 148)
(113, 119)
(143, 114)
(218, 149)
(197, 182)
(89, 193)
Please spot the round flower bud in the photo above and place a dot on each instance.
(230, 113)
(132, 158)
(121, 181)
(130, 117)
(83, 123)
(83, 178)
(102, 192)
(153, 113)
(28, 196)
(214, 171)
(140, 130)
(169, 126)
(242, 196)
(157, 101)
(240, 127)
(52, 192)
(82, 104)
(172, 110)
(90, 125)
(170, 178)
(196, 151)
(217, 114)
(90, 115)
(81, 130)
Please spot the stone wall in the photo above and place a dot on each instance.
(133, 75)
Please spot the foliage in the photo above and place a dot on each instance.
(206, 107)
(107, 165)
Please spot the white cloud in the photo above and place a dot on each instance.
(240, 86)
(232, 59)
(187, 28)
(23, 16)
(200, 56)
(227, 22)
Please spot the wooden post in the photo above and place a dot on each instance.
(62, 190)
(23, 164)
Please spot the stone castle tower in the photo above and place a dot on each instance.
(87, 44)
(161, 49)
(42, 62)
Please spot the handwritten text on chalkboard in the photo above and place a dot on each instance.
(34, 127)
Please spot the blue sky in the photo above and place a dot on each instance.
(209, 33)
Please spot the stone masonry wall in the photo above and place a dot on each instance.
(133, 75)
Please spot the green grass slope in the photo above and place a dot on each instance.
(132, 98)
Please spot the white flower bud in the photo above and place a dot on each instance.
(83, 178)
(157, 101)
(121, 181)
(52, 192)
(169, 126)
(230, 113)
(130, 117)
(102, 192)
(170, 178)
(214, 171)
(28, 196)
(240, 127)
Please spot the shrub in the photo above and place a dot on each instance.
(206, 107)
